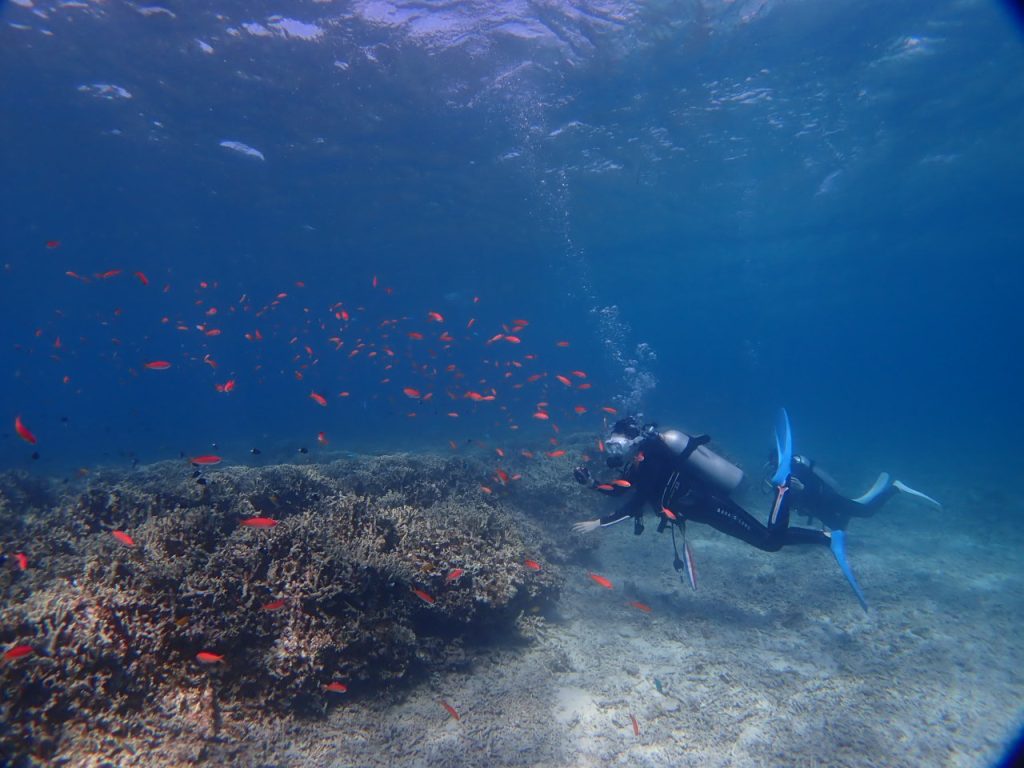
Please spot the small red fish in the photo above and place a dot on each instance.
(23, 431)
(18, 652)
(322, 438)
(157, 365)
(142, 278)
(51, 244)
(608, 409)
(206, 657)
(486, 489)
(561, 343)
(274, 605)
(22, 559)
(455, 574)
(639, 606)
(580, 409)
(205, 461)
(579, 374)
(564, 380)
(424, 596)
(605, 487)
(622, 483)
(636, 725)
(435, 316)
(668, 513)
(450, 709)
(533, 565)
(411, 392)
(124, 538)
(260, 522)
(556, 454)
(415, 335)
(109, 274)
(336, 687)
(601, 580)
(541, 415)
(513, 339)
(317, 398)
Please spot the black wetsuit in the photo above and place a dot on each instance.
(659, 477)
(817, 497)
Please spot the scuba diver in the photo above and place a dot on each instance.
(683, 480)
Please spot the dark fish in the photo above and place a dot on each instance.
(201, 481)
(303, 450)
(255, 451)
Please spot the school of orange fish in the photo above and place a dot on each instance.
(412, 354)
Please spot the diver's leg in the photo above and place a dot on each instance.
(730, 518)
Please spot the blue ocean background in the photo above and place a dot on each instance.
(817, 207)
(725, 208)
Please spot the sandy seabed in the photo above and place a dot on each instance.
(771, 662)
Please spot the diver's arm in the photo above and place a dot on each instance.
(631, 509)
(609, 488)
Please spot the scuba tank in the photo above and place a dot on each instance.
(705, 463)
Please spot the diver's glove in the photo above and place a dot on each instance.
(583, 476)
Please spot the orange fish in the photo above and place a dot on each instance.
(455, 574)
(123, 537)
(556, 454)
(17, 652)
(533, 565)
(22, 559)
(260, 522)
(622, 483)
(322, 438)
(513, 339)
(541, 415)
(157, 365)
(564, 380)
(23, 431)
(608, 409)
(668, 513)
(317, 398)
(435, 316)
(336, 687)
(205, 657)
(561, 343)
(579, 374)
(636, 725)
(605, 487)
(274, 605)
(424, 596)
(51, 244)
(411, 392)
(109, 274)
(415, 335)
(450, 709)
(205, 461)
(600, 580)
(580, 409)
(486, 489)
(639, 606)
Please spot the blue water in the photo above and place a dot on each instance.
(723, 207)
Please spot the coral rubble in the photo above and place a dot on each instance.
(352, 585)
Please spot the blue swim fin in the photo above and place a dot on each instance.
(783, 448)
(839, 551)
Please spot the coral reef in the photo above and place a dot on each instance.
(357, 583)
